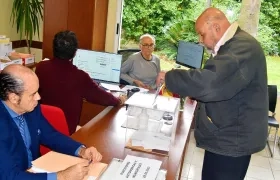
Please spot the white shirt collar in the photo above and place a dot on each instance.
(227, 36)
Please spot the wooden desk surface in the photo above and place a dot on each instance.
(107, 135)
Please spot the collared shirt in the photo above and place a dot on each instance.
(14, 115)
(227, 36)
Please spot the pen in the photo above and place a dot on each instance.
(90, 161)
(117, 91)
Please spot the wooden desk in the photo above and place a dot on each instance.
(89, 111)
(106, 134)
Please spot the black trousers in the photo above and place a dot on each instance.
(219, 167)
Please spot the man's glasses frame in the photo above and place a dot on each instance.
(148, 45)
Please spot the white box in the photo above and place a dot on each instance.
(151, 126)
(5, 48)
(17, 61)
(29, 60)
(26, 58)
(4, 63)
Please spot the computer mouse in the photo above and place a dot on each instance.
(135, 90)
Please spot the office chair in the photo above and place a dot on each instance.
(125, 54)
(56, 118)
(272, 122)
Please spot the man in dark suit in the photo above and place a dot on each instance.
(23, 128)
(231, 91)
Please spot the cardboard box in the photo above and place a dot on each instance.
(26, 58)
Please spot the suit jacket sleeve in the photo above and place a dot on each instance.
(222, 77)
(8, 165)
(54, 139)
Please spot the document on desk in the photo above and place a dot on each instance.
(111, 87)
(165, 104)
(138, 168)
(53, 162)
(150, 140)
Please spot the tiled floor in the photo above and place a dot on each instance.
(262, 166)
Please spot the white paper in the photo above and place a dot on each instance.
(38, 170)
(151, 140)
(91, 178)
(166, 104)
(112, 87)
(138, 168)
(115, 164)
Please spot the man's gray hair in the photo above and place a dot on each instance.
(10, 84)
(149, 36)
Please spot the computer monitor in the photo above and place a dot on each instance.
(189, 54)
(101, 66)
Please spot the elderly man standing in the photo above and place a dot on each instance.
(141, 69)
(24, 128)
(231, 90)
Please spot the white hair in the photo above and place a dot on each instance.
(147, 36)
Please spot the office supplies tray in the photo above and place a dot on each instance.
(110, 172)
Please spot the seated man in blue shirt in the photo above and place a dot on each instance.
(24, 128)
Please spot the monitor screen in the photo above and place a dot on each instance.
(189, 54)
(99, 65)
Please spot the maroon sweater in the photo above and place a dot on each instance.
(63, 85)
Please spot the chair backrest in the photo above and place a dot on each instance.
(272, 96)
(56, 118)
(126, 53)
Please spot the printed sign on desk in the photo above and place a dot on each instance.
(138, 168)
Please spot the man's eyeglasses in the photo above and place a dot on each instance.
(148, 45)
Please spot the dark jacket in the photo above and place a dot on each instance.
(14, 159)
(63, 85)
(231, 116)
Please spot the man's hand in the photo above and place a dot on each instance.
(122, 99)
(90, 154)
(75, 172)
(141, 84)
(160, 78)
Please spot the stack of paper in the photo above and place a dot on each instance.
(54, 162)
(138, 168)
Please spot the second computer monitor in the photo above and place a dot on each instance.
(100, 66)
(189, 54)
